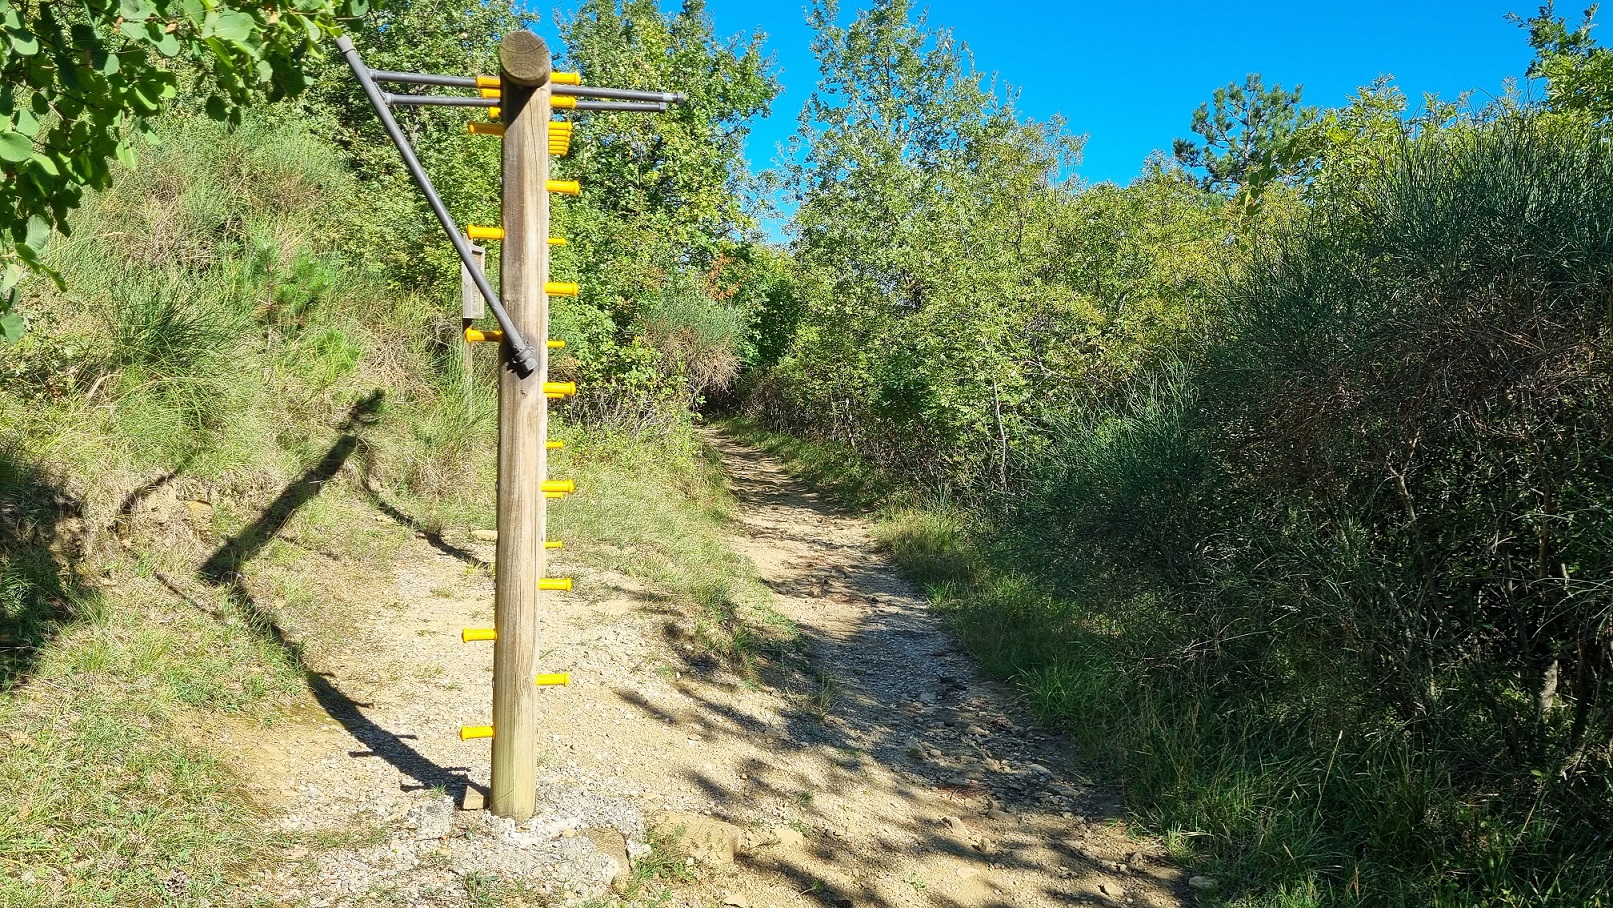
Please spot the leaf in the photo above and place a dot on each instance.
(230, 25)
(27, 123)
(12, 327)
(168, 44)
(14, 146)
(135, 10)
(24, 42)
(38, 232)
(126, 155)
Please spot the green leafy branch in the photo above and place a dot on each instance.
(79, 83)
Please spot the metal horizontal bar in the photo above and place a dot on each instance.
(466, 101)
(440, 100)
(627, 106)
(386, 75)
(621, 94)
(575, 91)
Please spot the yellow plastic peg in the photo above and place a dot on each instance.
(467, 732)
(553, 679)
(563, 102)
(493, 113)
(554, 344)
(553, 544)
(563, 187)
(487, 82)
(490, 92)
(478, 232)
(560, 288)
(566, 78)
(554, 445)
(475, 634)
(480, 336)
(554, 494)
(559, 388)
(554, 583)
(558, 485)
(485, 129)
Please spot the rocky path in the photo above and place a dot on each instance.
(866, 766)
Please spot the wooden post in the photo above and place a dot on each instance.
(472, 307)
(523, 423)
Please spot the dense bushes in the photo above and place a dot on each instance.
(1337, 595)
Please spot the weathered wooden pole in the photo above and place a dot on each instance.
(522, 423)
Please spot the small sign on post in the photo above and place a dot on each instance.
(472, 307)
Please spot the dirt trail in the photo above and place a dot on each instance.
(873, 767)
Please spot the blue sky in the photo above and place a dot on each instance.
(1129, 75)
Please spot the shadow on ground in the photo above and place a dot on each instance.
(877, 683)
(225, 570)
(41, 548)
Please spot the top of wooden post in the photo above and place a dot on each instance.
(525, 59)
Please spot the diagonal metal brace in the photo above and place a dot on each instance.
(521, 357)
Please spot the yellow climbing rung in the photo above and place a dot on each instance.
(467, 732)
(475, 634)
(559, 388)
(554, 583)
(485, 129)
(554, 494)
(558, 485)
(560, 288)
(563, 187)
(478, 232)
(487, 82)
(493, 113)
(554, 445)
(479, 336)
(553, 679)
(490, 92)
(553, 544)
(554, 345)
(563, 102)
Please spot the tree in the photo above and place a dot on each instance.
(1578, 71)
(1252, 139)
(77, 83)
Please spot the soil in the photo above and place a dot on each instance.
(868, 765)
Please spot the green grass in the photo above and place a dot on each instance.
(109, 794)
(831, 467)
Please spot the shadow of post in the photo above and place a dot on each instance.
(223, 570)
(41, 540)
